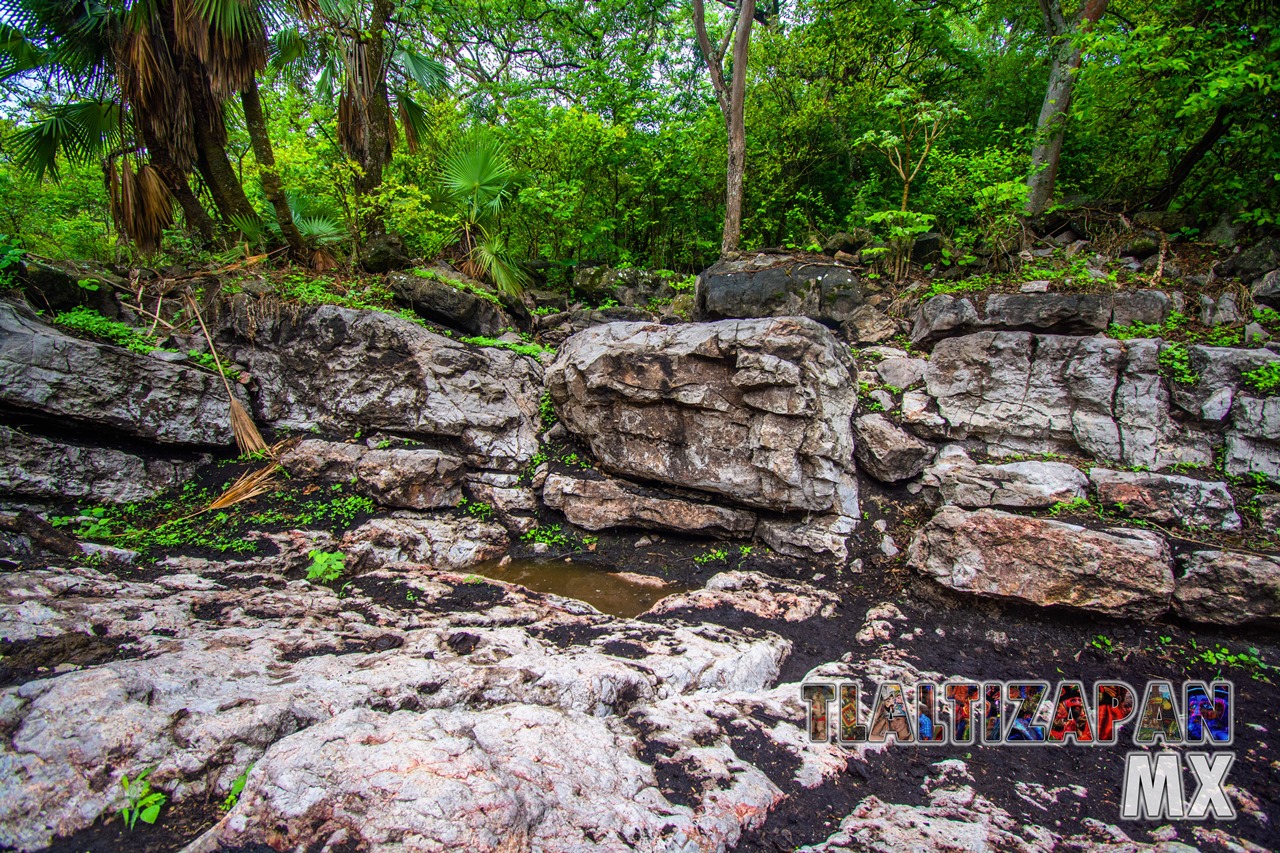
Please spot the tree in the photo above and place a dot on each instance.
(1051, 127)
(731, 96)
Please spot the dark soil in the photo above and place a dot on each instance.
(178, 826)
(24, 660)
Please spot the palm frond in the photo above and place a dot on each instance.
(426, 72)
(18, 54)
(80, 131)
(414, 119)
(495, 260)
(480, 177)
(320, 230)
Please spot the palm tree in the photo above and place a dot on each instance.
(356, 48)
(479, 180)
(147, 82)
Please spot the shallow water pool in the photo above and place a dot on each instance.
(607, 591)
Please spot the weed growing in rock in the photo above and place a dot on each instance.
(1265, 379)
(476, 509)
(531, 350)
(465, 286)
(969, 285)
(237, 788)
(141, 802)
(1249, 661)
(1103, 643)
(550, 535)
(326, 566)
(715, 555)
(547, 411)
(1176, 363)
(1073, 505)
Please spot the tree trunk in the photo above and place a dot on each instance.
(211, 156)
(731, 96)
(371, 108)
(1051, 127)
(197, 218)
(271, 186)
(1192, 158)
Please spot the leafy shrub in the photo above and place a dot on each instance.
(1265, 379)
(141, 803)
(1176, 362)
(326, 566)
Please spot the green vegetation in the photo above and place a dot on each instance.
(497, 142)
(1224, 658)
(714, 555)
(141, 802)
(1075, 505)
(1103, 643)
(1175, 361)
(237, 788)
(969, 285)
(326, 566)
(529, 349)
(550, 535)
(547, 410)
(87, 322)
(476, 509)
(1264, 379)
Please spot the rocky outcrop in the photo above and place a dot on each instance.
(106, 387)
(822, 538)
(32, 466)
(754, 410)
(776, 286)
(752, 593)
(601, 503)
(1228, 588)
(347, 370)
(994, 554)
(1023, 393)
(1253, 441)
(1167, 498)
(394, 711)
(1031, 484)
(410, 478)
(441, 542)
(452, 300)
(886, 452)
(945, 316)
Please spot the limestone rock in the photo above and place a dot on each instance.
(37, 467)
(1140, 306)
(1167, 498)
(1045, 562)
(944, 316)
(345, 369)
(902, 372)
(451, 304)
(886, 452)
(751, 592)
(607, 502)
(1030, 484)
(1062, 313)
(411, 478)
(784, 287)
(442, 542)
(868, 324)
(821, 538)
(103, 386)
(755, 410)
(1228, 588)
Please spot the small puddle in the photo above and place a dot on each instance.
(597, 586)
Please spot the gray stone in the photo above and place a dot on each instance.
(1167, 498)
(1206, 309)
(1038, 286)
(608, 502)
(451, 299)
(1063, 313)
(902, 373)
(944, 316)
(1228, 588)
(886, 452)
(441, 542)
(383, 253)
(108, 387)
(822, 538)
(410, 478)
(33, 466)
(1253, 262)
(62, 285)
(343, 369)
(1140, 306)
(742, 289)
(1030, 484)
(1225, 232)
(1220, 375)
(989, 553)
(755, 410)
(850, 242)
(869, 325)
(1266, 290)
(1226, 313)
(1255, 335)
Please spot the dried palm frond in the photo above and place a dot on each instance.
(248, 439)
(248, 485)
(140, 202)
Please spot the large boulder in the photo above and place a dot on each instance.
(600, 503)
(887, 452)
(1253, 262)
(1018, 393)
(1167, 498)
(33, 466)
(404, 477)
(755, 410)
(452, 301)
(995, 554)
(1063, 313)
(1029, 484)
(442, 542)
(106, 387)
(772, 285)
(62, 285)
(1228, 588)
(342, 369)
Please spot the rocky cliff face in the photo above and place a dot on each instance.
(1022, 490)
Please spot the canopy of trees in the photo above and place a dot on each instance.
(655, 133)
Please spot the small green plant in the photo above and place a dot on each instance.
(716, 555)
(237, 788)
(326, 566)
(1176, 362)
(476, 509)
(969, 285)
(550, 535)
(1249, 661)
(1264, 379)
(384, 444)
(531, 350)
(547, 411)
(590, 540)
(744, 551)
(545, 310)
(608, 303)
(141, 802)
(1103, 643)
(1073, 505)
